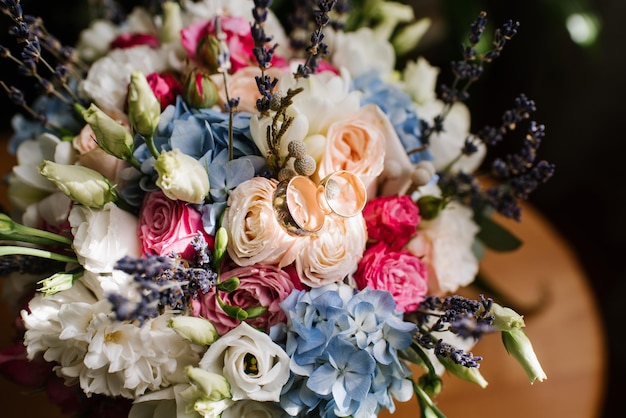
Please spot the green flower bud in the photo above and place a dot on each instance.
(221, 242)
(228, 285)
(430, 206)
(213, 386)
(82, 184)
(172, 22)
(181, 177)
(144, 109)
(197, 330)
(200, 91)
(431, 383)
(519, 346)
(111, 136)
(58, 282)
(470, 374)
(506, 319)
(207, 52)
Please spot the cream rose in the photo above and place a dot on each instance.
(445, 244)
(103, 236)
(230, 357)
(254, 234)
(357, 144)
(334, 252)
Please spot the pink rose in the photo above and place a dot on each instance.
(392, 219)
(238, 39)
(129, 40)
(259, 285)
(165, 87)
(398, 272)
(168, 226)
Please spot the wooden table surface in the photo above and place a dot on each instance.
(567, 335)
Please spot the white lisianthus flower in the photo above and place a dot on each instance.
(181, 177)
(103, 236)
(232, 354)
(26, 184)
(52, 209)
(108, 78)
(420, 80)
(445, 245)
(94, 41)
(362, 51)
(334, 252)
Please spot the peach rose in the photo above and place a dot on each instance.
(254, 234)
(334, 252)
(357, 144)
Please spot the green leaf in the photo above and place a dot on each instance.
(497, 237)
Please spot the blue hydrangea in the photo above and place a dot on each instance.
(344, 348)
(398, 107)
(202, 134)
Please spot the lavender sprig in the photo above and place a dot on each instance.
(317, 47)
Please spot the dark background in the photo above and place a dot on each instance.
(580, 93)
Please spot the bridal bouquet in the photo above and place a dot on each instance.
(234, 208)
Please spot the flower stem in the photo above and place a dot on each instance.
(153, 150)
(425, 401)
(35, 252)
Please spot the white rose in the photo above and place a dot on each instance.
(362, 51)
(334, 252)
(254, 234)
(103, 236)
(230, 356)
(445, 244)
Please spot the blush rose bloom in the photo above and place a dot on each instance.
(398, 272)
(168, 226)
(254, 234)
(445, 245)
(228, 354)
(258, 286)
(392, 219)
(103, 236)
(357, 144)
(333, 253)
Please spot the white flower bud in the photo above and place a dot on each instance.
(111, 136)
(213, 386)
(172, 22)
(82, 184)
(519, 346)
(197, 330)
(144, 109)
(181, 177)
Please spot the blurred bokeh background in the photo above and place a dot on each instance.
(569, 57)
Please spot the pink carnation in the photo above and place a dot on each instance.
(398, 272)
(168, 226)
(129, 40)
(392, 219)
(165, 87)
(259, 285)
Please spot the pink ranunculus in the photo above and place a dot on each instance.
(398, 272)
(238, 39)
(259, 285)
(165, 87)
(168, 226)
(392, 219)
(129, 40)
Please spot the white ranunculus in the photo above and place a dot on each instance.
(333, 253)
(108, 78)
(445, 244)
(229, 354)
(103, 236)
(362, 51)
